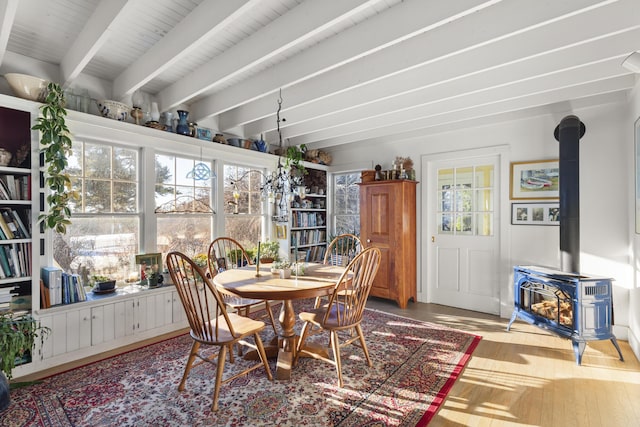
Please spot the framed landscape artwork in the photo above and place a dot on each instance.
(535, 180)
(535, 213)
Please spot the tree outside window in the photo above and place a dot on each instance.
(183, 205)
(346, 203)
(105, 231)
(243, 204)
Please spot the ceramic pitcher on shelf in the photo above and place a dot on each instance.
(183, 126)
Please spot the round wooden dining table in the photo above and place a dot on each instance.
(248, 282)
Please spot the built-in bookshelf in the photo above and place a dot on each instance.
(309, 219)
(16, 246)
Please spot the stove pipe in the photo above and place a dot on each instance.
(568, 134)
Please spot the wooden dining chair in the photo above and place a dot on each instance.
(344, 311)
(210, 323)
(225, 253)
(341, 250)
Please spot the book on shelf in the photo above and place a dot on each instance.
(52, 278)
(24, 231)
(6, 231)
(72, 289)
(4, 263)
(15, 187)
(17, 228)
(44, 296)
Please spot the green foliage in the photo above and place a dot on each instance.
(295, 156)
(269, 249)
(56, 146)
(17, 336)
(235, 255)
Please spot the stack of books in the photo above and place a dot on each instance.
(6, 294)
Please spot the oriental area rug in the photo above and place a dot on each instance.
(415, 366)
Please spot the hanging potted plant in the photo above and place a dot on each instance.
(17, 339)
(294, 159)
(56, 147)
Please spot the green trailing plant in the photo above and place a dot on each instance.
(295, 157)
(55, 144)
(18, 336)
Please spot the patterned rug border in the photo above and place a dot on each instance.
(455, 374)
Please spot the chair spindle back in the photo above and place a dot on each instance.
(350, 294)
(203, 304)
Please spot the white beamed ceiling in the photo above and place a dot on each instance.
(349, 70)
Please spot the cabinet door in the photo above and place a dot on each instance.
(177, 308)
(120, 319)
(97, 325)
(72, 329)
(85, 327)
(377, 222)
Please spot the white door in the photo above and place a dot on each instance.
(463, 246)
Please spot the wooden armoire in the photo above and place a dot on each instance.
(388, 222)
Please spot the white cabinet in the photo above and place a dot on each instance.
(88, 328)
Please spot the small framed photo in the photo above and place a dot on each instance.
(204, 133)
(535, 180)
(149, 259)
(281, 231)
(535, 213)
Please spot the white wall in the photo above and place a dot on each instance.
(604, 193)
(634, 293)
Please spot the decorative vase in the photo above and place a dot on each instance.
(183, 126)
(155, 113)
(168, 121)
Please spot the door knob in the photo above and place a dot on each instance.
(433, 239)
(368, 240)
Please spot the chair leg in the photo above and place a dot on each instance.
(263, 356)
(303, 337)
(216, 391)
(267, 306)
(364, 345)
(335, 345)
(232, 359)
(244, 313)
(190, 360)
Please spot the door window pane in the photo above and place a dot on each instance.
(465, 200)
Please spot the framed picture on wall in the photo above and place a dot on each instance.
(535, 180)
(535, 213)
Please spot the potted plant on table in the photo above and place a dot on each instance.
(283, 268)
(269, 251)
(102, 283)
(18, 336)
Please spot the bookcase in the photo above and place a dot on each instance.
(309, 219)
(16, 245)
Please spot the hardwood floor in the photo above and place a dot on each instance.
(524, 377)
(529, 377)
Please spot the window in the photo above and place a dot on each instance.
(183, 203)
(465, 200)
(346, 203)
(105, 231)
(244, 218)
